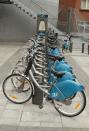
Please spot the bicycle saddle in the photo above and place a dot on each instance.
(58, 74)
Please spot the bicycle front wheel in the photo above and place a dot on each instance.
(72, 106)
(19, 90)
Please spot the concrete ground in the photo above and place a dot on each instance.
(28, 117)
(9, 54)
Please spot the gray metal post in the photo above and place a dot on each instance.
(83, 44)
(39, 95)
(71, 47)
(88, 49)
(37, 98)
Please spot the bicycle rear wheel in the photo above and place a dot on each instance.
(19, 91)
(71, 107)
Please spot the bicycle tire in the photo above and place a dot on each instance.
(6, 89)
(71, 114)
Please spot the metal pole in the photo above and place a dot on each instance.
(83, 44)
(71, 43)
(88, 49)
(71, 47)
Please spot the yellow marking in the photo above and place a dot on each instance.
(23, 81)
(77, 106)
(14, 97)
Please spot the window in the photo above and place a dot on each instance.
(85, 4)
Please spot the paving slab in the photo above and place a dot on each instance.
(76, 122)
(9, 121)
(8, 128)
(29, 124)
(9, 54)
(10, 106)
(34, 116)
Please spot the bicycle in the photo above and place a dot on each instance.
(66, 105)
(18, 79)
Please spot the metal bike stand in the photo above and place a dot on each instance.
(37, 99)
(71, 47)
(39, 95)
(83, 45)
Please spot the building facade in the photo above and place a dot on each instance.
(81, 7)
(73, 15)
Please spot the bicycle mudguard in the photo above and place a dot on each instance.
(55, 52)
(64, 90)
(66, 76)
(64, 62)
(58, 66)
(60, 61)
(57, 63)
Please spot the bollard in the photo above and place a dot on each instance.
(83, 44)
(71, 46)
(88, 49)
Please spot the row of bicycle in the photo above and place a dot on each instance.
(43, 66)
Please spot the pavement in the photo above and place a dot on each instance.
(28, 117)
